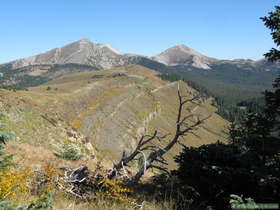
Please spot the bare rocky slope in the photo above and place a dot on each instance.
(102, 113)
(103, 56)
(183, 55)
(80, 52)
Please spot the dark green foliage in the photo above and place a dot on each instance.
(236, 112)
(231, 81)
(272, 110)
(148, 63)
(75, 67)
(98, 76)
(218, 170)
(118, 75)
(249, 165)
(260, 132)
(230, 111)
(69, 152)
(253, 105)
(13, 88)
(168, 188)
(21, 79)
(172, 77)
(18, 78)
(5, 160)
(8, 205)
(6, 68)
(272, 22)
(42, 202)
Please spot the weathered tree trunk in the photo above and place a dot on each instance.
(156, 153)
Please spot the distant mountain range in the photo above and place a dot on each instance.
(104, 56)
(83, 55)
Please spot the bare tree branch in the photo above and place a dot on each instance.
(146, 142)
(160, 168)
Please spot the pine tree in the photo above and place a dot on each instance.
(250, 164)
(272, 22)
(5, 160)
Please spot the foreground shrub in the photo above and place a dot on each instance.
(14, 183)
(69, 152)
(115, 189)
(170, 189)
(42, 202)
(5, 135)
(43, 180)
(218, 170)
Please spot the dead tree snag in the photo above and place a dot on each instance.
(154, 153)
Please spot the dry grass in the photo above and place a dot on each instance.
(107, 112)
(63, 202)
(34, 156)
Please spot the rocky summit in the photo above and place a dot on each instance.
(183, 55)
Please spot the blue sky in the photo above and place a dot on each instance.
(225, 29)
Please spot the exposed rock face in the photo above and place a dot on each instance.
(183, 55)
(81, 52)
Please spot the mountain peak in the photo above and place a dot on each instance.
(84, 40)
(183, 55)
(180, 46)
(109, 47)
(183, 49)
(82, 51)
(79, 42)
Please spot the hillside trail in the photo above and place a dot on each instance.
(141, 128)
(153, 114)
(163, 86)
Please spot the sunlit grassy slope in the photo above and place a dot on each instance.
(102, 113)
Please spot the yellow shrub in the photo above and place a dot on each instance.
(43, 180)
(116, 190)
(14, 183)
(76, 124)
(51, 171)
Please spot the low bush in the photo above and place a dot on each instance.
(69, 152)
(14, 182)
